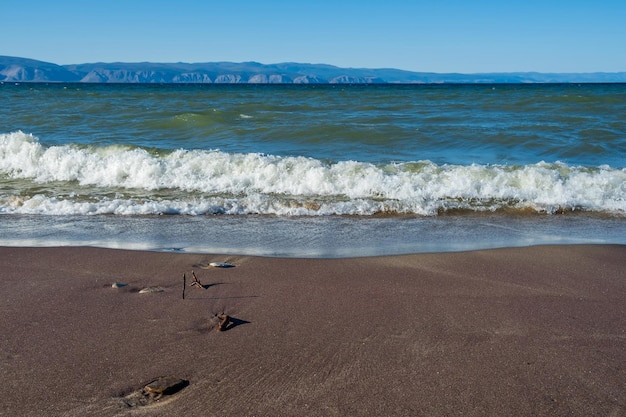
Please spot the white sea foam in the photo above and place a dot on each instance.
(128, 180)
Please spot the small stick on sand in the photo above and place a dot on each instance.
(196, 282)
(224, 321)
(184, 285)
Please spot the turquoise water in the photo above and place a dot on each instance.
(457, 124)
(280, 170)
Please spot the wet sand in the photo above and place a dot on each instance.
(518, 332)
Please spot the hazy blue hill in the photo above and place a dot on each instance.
(24, 69)
(14, 69)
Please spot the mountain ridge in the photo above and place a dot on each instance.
(17, 69)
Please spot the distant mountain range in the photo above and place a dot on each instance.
(15, 69)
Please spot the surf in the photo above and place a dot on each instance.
(116, 179)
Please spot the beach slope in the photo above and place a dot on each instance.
(522, 331)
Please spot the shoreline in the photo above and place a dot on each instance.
(311, 237)
(536, 330)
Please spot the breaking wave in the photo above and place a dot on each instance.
(116, 179)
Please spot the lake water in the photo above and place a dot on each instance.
(312, 171)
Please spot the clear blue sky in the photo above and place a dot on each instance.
(437, 35)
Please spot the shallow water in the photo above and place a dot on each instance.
(309, 237)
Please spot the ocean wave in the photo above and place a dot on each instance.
(72, 179)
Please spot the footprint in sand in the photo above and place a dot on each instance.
(155, 392)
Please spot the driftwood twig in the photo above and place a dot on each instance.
(196, 282)
(224, 321)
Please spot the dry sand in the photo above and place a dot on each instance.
(514, 332)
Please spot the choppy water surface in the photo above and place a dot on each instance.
(396, 168)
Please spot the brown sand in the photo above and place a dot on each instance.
(515, 332)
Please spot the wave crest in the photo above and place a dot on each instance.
(133, 180)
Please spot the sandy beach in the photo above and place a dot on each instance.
(524, 331)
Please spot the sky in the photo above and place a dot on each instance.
(442, 36)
